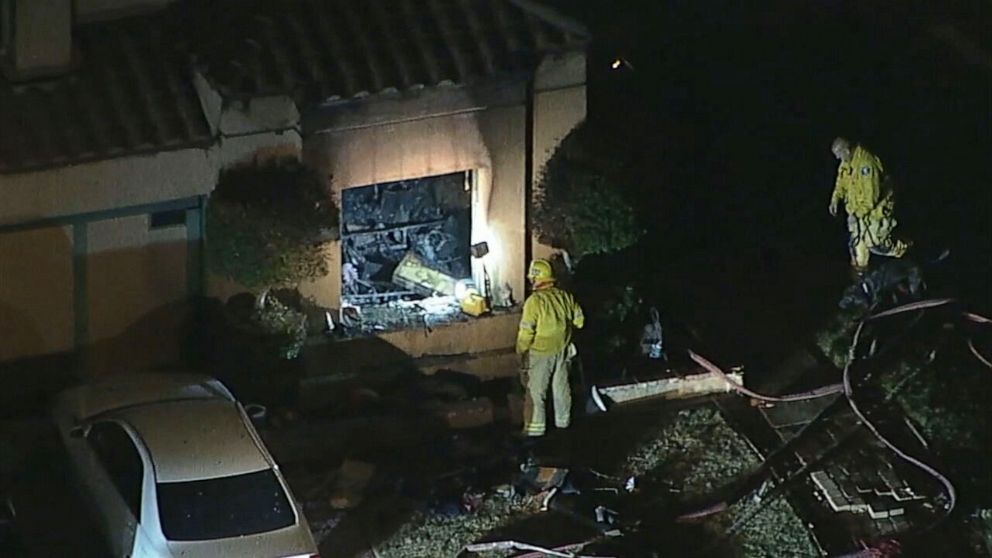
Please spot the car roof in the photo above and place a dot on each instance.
(195, 439)
(128, 390)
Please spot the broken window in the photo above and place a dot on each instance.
(405, 242)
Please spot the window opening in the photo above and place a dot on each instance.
(166, 219)
(406, 250)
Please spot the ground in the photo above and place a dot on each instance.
(677, 453)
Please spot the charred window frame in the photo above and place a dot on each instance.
(430, 217)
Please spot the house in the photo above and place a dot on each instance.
(429, 118)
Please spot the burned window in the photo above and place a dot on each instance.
(406, 240)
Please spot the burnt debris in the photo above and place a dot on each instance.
(426, 218)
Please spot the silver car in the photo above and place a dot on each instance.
(173, 467)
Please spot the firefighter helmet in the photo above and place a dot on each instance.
(541, 271)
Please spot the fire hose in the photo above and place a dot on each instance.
(532, 549)
(847, 389)
(981, 358)
(804, 396)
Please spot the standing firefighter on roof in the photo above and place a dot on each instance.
(544, 343)
(869, 201)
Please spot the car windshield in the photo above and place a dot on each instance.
(223, 507)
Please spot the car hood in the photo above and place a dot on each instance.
(291, 541)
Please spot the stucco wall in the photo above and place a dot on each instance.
(136, 283)
(36, 301)
(106, 184)
(135, 276)
(504, 130)
(136, 180)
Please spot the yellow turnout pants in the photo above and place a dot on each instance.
(540, 372)
(873, 234)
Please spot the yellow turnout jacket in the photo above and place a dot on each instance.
(860, 185)
(550, 315)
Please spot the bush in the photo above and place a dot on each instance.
(267, 224)
(583, 202)
(272, 331)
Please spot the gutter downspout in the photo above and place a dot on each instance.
(529, 169)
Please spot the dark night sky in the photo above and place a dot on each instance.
(732, 110)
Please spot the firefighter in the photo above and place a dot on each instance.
(869, 201)
(544, 343)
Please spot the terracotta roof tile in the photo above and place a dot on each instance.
(342, 49)
(128, 92)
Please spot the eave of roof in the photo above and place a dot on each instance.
(319, 50)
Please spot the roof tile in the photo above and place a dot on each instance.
(341, 49)
(129, 92)
(131, 89)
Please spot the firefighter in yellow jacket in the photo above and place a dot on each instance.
(544, 343)
(869, 201)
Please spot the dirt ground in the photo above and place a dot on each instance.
(676, 452)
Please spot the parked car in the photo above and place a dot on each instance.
(173, 467)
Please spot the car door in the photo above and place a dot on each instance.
(116, 479)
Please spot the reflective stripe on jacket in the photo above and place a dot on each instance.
(550, 315)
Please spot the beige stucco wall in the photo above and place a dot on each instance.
(136, 283)
(134, 273)
(504, 130)
(105, 185)
(136, 180)
(36, 312)
(431, 146)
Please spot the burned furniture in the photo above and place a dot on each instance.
(405, 241)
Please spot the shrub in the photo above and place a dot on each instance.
(583, 202)
(267, 224)
(272, 330)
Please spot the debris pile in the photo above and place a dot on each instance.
(680, 460)
(429, 535)
(404, 314)
(405, 240)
